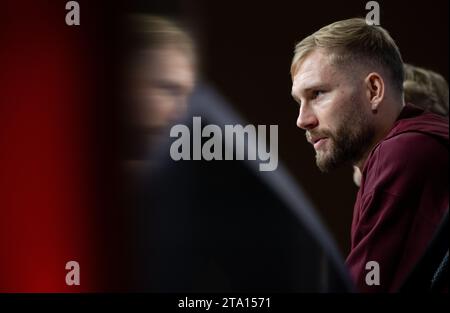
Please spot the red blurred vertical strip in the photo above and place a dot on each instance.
(44, 193)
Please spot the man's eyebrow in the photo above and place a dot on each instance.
(308, 89)
(314, 86)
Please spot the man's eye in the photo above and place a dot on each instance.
(317, 93)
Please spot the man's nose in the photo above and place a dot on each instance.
(306, 118)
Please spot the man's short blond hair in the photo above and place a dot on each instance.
(353, 40)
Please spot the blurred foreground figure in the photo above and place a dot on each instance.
(348, 80)
(158, 76)
(161, 73)
(423, 88)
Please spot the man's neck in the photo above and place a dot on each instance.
(385, 126)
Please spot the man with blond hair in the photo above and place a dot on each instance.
(348, 81)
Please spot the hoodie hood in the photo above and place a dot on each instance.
(413, 119)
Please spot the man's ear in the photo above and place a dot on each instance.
(375, 89)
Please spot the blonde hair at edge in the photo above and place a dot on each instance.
(425, 89)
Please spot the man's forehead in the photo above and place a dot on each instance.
(311, 71)
(302, 80)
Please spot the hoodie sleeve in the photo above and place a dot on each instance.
(403, 196)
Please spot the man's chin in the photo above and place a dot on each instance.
(325, 163)
(322, 165)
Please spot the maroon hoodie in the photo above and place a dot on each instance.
(402, 198)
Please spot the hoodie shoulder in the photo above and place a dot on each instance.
(415, 148)
(418, 121)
